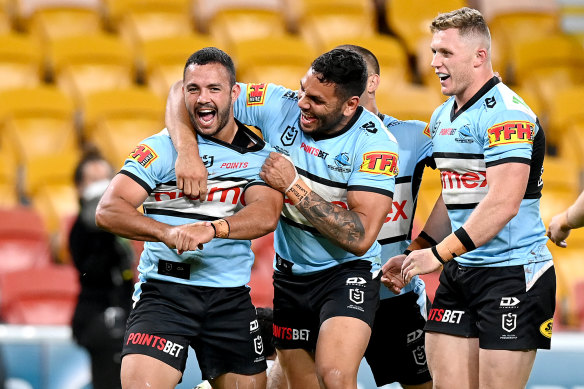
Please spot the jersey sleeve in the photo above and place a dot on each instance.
(509, 137)
(378, 165)
(421, 132)
(262, 105)
(151, 162)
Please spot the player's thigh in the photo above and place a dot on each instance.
(505, 368)
(453, 360)
(240, 381)
(298, 367)
(341, 345)
(142, 371)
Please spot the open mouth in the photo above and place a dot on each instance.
(307, 118)
(443, 76)
(206, 115)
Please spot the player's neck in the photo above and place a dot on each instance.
(468, 93)
(227, 133)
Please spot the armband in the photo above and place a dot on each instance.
(297, 191)
(453, 246)
(222, 228)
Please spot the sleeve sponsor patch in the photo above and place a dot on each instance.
(380, 162)
(143, 154)
(256, 94)
(520, 131)
(427, 130)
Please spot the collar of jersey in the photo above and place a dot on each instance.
(240, 141)
(351, 123)
(484, 89)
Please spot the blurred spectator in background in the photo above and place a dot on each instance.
(104, 262)
(561, 224)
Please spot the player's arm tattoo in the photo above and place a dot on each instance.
(339, 225)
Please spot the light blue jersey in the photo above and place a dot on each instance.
(415, 152)
(232, 169)
(361, 157)
(494, 127)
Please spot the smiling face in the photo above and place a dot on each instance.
(322, 112)
(209, 98)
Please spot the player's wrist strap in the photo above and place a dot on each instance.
(222, 228)
(297, 191)
(453, 245)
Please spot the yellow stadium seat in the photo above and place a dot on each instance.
(548, 63)
(54, 23)
(56, 203)
(324, 21)
(571, 145)
(117, 120)
(85, 64)
(22, 11)
(204, 10)
(430, 190)
(280, 60)
(51, 170)
(162, 60)
(560, 174)
(9, 177)
(115, 10)
(21, 62)
(569, 271)
(393, 60)
(38, 122)
(410, 19)
(229, 26)
(409, 101)
(565, 112)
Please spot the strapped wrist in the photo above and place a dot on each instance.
(298, 191)
(454, 245)
(222, 228)
(422, 241)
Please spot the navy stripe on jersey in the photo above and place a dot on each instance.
(457, 155)
(169, 212)
(321, 180)
(526, 161)
(364, 188)
(138, 180)
(393, 239)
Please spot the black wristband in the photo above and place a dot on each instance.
(427, 238)
(466, 241)
(407, 252)
(214, 230)
(438, 257)
(228, 227)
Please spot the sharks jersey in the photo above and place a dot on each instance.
(361, 157)
(415, 152)
(232, 169)
(494, 127)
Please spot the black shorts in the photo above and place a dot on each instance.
(219, 323)
(507, 308)
(303, 303)
(396, 350)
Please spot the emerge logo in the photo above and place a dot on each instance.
(256, 94)
(143, 154)
(380, 162)
(511, 132)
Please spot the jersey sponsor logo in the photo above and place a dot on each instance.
(464, 135)
(509, 302)
(511, 132)
(314, 151)
(546, 328)
(445, 315)
(380, 162)
(287, 333)
(256, 94)
(290, 95)
(162, 344)
(518, 100)
(143, 154)
(356, 281)
(224, 196)
(289, 136)
(234, 165)
(427, 131)
(399, 211)
(509, 322)
(448, 131)
(369, 127)
(469, 180)
(207, 160)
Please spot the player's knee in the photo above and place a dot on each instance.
(334, 378)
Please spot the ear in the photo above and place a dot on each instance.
(372, 83)
(235, 91)
(351, 106)
(481, 57)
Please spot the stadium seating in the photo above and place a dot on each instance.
(21, 62)
(81, 65)
(280, 60)
(55, 23)
(22, 11)
(24, 241)
(204, 10)
(117, 120)
(39, 296)
(569, 271)
(409, 101)
(162, 60)
(565, 114)
(410, 19)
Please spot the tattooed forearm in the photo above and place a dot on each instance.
(339, 225)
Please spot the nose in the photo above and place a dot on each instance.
(436, 61)
(302, 101)
(204, 96)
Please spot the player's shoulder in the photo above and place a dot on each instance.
(503, 101)
(258, 94)
(370, 126)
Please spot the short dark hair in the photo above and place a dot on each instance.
(90, 155)
(209, 55)
(368, 56)
(345, 68)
